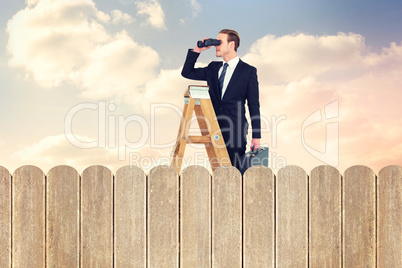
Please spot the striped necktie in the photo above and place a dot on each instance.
(222, 78)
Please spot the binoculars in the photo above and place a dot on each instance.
(208, 42)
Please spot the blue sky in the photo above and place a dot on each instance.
(127, 53)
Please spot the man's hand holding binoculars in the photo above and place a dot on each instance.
(205, 44)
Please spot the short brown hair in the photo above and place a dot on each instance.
(232, 36)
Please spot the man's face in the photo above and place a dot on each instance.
(223, 48)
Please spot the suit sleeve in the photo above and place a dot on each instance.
(253, 102)
(189, 71)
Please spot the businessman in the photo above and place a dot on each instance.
(231, 83)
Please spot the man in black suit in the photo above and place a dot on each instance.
(230, 85)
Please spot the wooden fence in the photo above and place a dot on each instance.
(130, 219)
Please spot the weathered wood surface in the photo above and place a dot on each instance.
(226, 217)
(63, 217)
(359, 217)
(195, 217)
(97, 217)
(5, 218)
(389, 217)
(130, 217)
(199, 220)
(292, 218)
(163, 217)
(259, 217)
(325, 216)
(28, 217)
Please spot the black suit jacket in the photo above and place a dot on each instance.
(230, 110)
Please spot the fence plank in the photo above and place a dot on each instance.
(5, 218)
(259, 217)
(389, 217)
(97, 217)
(325, 217)
(130, 217)
(291, 221)
(195, 217)
(226, 217)
(163, 217)
(359, 217)
(28, 227)
(63, 217)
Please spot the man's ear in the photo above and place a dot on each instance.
(232, 44)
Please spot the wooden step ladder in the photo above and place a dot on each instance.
(196, 98)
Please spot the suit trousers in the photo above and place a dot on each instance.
(235, 137)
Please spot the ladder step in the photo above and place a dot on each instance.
(199, 139)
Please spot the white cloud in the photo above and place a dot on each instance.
(31, 2)
(120, 17)
(63, 41)
(196, 7)
(118, 68)
(300, 73)
(316, 72)
(127, 2)
(153, 10)
(168, 87)
(57, 150)
(191, 11)
(292, 57)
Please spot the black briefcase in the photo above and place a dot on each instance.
(254, 158)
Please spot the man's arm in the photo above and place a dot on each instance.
(189, 71)
(253, 101)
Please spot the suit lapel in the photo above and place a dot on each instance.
(235, 75)
(216, 80)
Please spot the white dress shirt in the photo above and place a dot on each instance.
(229, 72)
